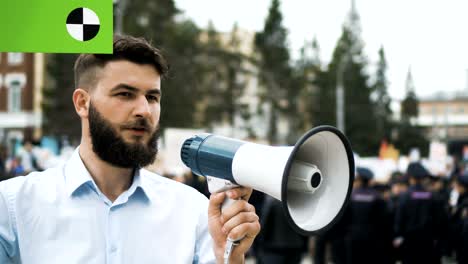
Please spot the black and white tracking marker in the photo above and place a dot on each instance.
(83, 24)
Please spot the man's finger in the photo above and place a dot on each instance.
(216, 200)
(240, 193)
(243, 217)
(236, 208)
(247, 231)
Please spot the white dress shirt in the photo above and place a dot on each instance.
(60, 216)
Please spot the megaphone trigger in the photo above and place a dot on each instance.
(216, 185)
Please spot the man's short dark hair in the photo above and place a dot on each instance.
(136, 50)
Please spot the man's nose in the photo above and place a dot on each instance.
(142, 107)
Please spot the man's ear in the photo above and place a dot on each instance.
(81, 102)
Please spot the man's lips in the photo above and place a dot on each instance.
(138, 130)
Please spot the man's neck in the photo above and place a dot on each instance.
(111, 180)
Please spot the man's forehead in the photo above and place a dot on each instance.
(125, 65)
(140, 76)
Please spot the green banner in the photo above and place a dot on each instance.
(56, 26)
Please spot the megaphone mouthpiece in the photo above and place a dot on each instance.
(304, 177)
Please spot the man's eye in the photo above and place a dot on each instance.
(124, 94)
(152, 98)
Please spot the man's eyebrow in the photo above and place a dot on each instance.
(134, 89)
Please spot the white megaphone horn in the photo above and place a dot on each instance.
(312, 179)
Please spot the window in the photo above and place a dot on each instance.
(15, 58)
(14, 97)
(14, 82)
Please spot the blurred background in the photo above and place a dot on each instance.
(393, 76)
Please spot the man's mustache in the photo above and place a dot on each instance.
(141, 124)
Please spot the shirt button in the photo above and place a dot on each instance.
(113, 248)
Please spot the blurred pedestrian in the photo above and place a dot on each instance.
(459, 220)
(389, 254)
(417, 220)
(197, 182)
(278, 242)
(399, 185)
(29, 160)
(438, 187)
(3, 159)
(16, 167)
(369, 223)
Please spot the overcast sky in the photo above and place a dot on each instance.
(428, 35)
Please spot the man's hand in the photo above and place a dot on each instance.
(237, 221)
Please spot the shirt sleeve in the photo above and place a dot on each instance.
(204, 251)
(7, 233)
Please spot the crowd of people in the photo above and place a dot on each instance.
(414, 218)
(21, 163)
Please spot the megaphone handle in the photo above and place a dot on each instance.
(227, 202)
(220, 185)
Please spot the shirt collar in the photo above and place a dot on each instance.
(76, 175)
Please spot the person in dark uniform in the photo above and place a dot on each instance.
(278, 242)
(368, 221)
(459, 220)
(388, 254)
(417, 220)
(438, 187)
(333, 241)
(399, 186)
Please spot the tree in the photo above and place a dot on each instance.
(309, 76)
(409, 134)
(57, 103)
(348, 63)
(179, 42)
(381, 99)
(152, 19)
(409, 105)
(274, 68)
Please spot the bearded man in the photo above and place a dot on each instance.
(101, 206)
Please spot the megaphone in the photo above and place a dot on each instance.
(312, 179)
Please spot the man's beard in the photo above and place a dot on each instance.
(111, 147)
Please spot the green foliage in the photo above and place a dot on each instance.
(60, 117)
(275, 72)
(153, 20)
(179, 42)
(382, 99)
(202, 87)
(222, 85)
(309, 76)
(409, 106)
(410, 135)
(349, 63)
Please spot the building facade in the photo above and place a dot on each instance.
(21, 81)
(445, 116)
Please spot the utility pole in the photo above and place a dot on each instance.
(119, 8)
(340, 93)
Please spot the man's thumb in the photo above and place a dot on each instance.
(216, 200)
